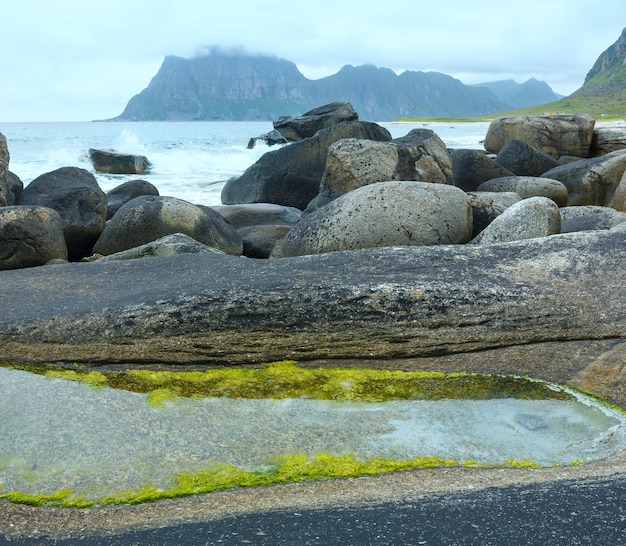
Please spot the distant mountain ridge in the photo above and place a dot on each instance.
(237, 86)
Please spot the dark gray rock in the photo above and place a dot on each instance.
(106, 161)
(258, 214)
(589, 217)
(591, 181)
(74, 193)
(291, 175)
(528, 186)
(528, 219)
(524, 160)
(298, 127)
(487, 206)
(123, 193)
(148, 218)
(170, 245)
(30, 236)
(556, 135)
(4, 172)
(473, 167)
(383, 214)
(15, 187)
(259, 241)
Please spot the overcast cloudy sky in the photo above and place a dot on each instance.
(71, 60)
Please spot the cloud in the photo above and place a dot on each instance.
(81, 61)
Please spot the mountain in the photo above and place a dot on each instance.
(603, 94)
(237, 86)
(516, 95)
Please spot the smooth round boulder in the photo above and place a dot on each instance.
(106, 161)
(487, 206)
(258, 214)
(528, 219)
(473, 167)
(74, 193)
(528, 186)
(383, 214)
(586, 218)
(557, 135)
(127, 191)
(524, 160)
(30, 236)
(148, 218)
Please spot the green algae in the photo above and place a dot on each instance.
(287, 379)
(285, 469)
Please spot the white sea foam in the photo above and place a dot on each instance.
(189, 160)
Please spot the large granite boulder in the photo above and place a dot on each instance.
(30, 236)
(591, 181)
(524, 160)
(527, 219)
(425, 156)
(291, 175)
(148, 218)
(383, 214)
(106, 161)
(557, 135)
(15, 187)
(589, 217)
(473, 167)
(618, 201)
(528, 186)
(298, 127)
(487, 206)
(74, 193)
(122, 194)
(551, 308)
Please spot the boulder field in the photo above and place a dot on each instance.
(388, 253)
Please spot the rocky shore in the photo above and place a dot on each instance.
(341, 247)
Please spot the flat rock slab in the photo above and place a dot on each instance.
(432, 307)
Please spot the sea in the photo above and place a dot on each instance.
(188, 160)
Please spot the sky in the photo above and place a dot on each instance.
(71, 60)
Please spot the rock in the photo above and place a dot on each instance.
(420, 156)
(524, 160)
(6, 197)
(271, 139)
(170, 245)
(74, 193)
(550, 308)
(148, 218)
(123, 193)
(30, 236)
(106, 161)
(260, 225)
(528, 219)
(556, 135)
(304, 126)
(589, 217)
(258, 214)
(383, 214)
(259, 241)
(487, 206)
(15, 187)
(528, 186)
(472, 167)
(608, 139)
(618, 201)
(591, 181)
(353, 163)
(426, 157)
(291, 175)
